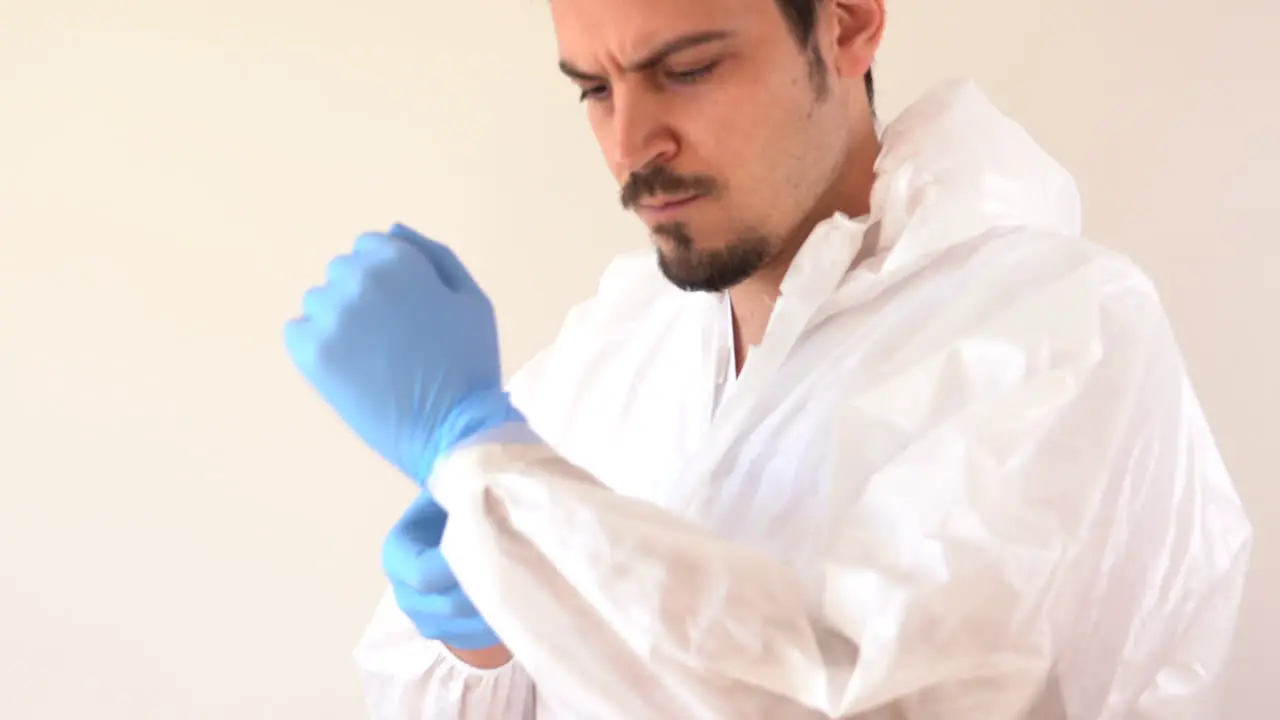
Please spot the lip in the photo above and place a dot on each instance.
(657, 209)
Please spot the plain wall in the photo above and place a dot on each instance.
(186, 531)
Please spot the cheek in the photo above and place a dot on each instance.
(740, 151)
(740, 127)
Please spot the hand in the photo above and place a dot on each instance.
(402, 343)
(424, 586)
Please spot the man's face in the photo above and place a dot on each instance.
(721, 130)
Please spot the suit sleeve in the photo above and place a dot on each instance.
(1087, 496)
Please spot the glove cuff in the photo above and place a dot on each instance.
(475, 414)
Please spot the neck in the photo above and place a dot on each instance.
(754, 298)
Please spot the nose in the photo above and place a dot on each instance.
(641, 135)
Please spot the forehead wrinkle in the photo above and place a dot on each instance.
(651, 52)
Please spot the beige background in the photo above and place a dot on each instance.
(186, 532)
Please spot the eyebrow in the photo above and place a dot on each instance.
(654, 58)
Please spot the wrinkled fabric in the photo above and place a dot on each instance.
(407, 676)
(964, 476)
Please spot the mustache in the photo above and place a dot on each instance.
(659, 180)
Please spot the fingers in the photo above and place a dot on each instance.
(447, 265)
(401, 239)
(346, 275)
(299, 341)
(422, 524)
(424, 587)
(411, 553)
(321, 307)
(450, 618)
(466, 632)
(452, 605)
(374, 247)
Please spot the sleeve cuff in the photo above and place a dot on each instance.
(444, 481)
(511, 433)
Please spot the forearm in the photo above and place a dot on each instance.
(621, 606)
(483, 659)
(632, 611)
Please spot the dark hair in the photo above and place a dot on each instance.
(802, 16)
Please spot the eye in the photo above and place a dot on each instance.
(594, 92)
(688, 77)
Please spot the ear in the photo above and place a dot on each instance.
(854, 29)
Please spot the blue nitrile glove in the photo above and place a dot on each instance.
(424, 586)
(402, 343)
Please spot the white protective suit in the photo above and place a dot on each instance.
(964, 477)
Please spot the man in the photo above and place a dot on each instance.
(878, 436)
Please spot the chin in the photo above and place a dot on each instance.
(710, 269)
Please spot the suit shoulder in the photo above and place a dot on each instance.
(1074, 267)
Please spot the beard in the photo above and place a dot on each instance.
(715, 270)
(681, 262)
